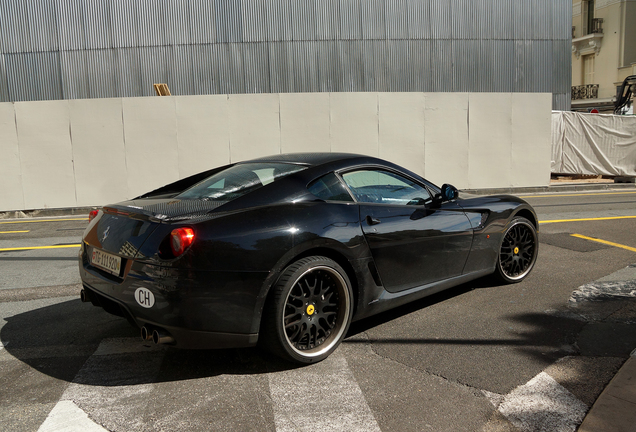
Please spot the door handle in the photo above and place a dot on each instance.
(372, 221)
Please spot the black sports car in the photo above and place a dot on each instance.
(288, 250)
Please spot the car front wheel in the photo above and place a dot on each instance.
(308, 311)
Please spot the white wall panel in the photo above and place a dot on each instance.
(304, 122)
(150, 137)
(401, 131)
(11, 197)
(446, 136)
(354, 123)
(97, 134)
(489, 140)
(46, 157)
(531, 149)
(203, 133)
(254, 125)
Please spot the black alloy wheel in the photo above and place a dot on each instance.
(518, 251)
(309, 311)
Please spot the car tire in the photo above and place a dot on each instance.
(308, 311)
(518, 251)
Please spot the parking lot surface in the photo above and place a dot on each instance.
(478, 357)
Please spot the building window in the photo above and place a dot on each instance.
(588, 16)
(588, 69)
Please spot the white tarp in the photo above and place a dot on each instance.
(593, 144)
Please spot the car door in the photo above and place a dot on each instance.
(414, 239)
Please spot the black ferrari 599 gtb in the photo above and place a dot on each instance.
(287, 250)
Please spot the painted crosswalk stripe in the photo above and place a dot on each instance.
(320, 397)
(68, 417)
(100, 384)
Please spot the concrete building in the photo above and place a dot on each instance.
(603, 51)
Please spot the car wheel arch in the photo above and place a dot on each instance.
(525, 213)
(287, 260)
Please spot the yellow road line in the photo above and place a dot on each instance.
(13, 232)
(44, 220)
(40, 247)
(574, 195)
(604, 242)
(587, 219)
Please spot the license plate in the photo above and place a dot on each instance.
(106, 261)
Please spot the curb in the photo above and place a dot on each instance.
(555, 188)
(615, 408)
(26, 214)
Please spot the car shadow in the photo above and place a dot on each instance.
(59, 339)
(400, 311)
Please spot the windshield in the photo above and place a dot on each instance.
(239, 180)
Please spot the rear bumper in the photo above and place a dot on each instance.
(184, 338)
(198, 309)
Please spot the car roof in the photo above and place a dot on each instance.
(309, 159)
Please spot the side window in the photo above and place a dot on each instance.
(385, 187)
(329, 188)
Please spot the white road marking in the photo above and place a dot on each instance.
(597, 291)
(100, 384)
(541, 404)
(320, 397)
(68, 417)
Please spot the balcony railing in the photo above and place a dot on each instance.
(597, 25)
(588, 91)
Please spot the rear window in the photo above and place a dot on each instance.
(239, 180)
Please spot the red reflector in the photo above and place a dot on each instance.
(92, 215)
(180, 239)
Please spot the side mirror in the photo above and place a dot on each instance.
(449, 192)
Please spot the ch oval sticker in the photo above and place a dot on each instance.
(145, 297)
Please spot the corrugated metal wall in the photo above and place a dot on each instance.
(67, 49)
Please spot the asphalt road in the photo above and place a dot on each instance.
(479, 357)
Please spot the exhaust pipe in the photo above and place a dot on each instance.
(146, 333)
(161, 337)
(85, 296)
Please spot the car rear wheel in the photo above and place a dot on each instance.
(308, 311)
(518, 251)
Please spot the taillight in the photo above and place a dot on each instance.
(180, 239)
(92, 215)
